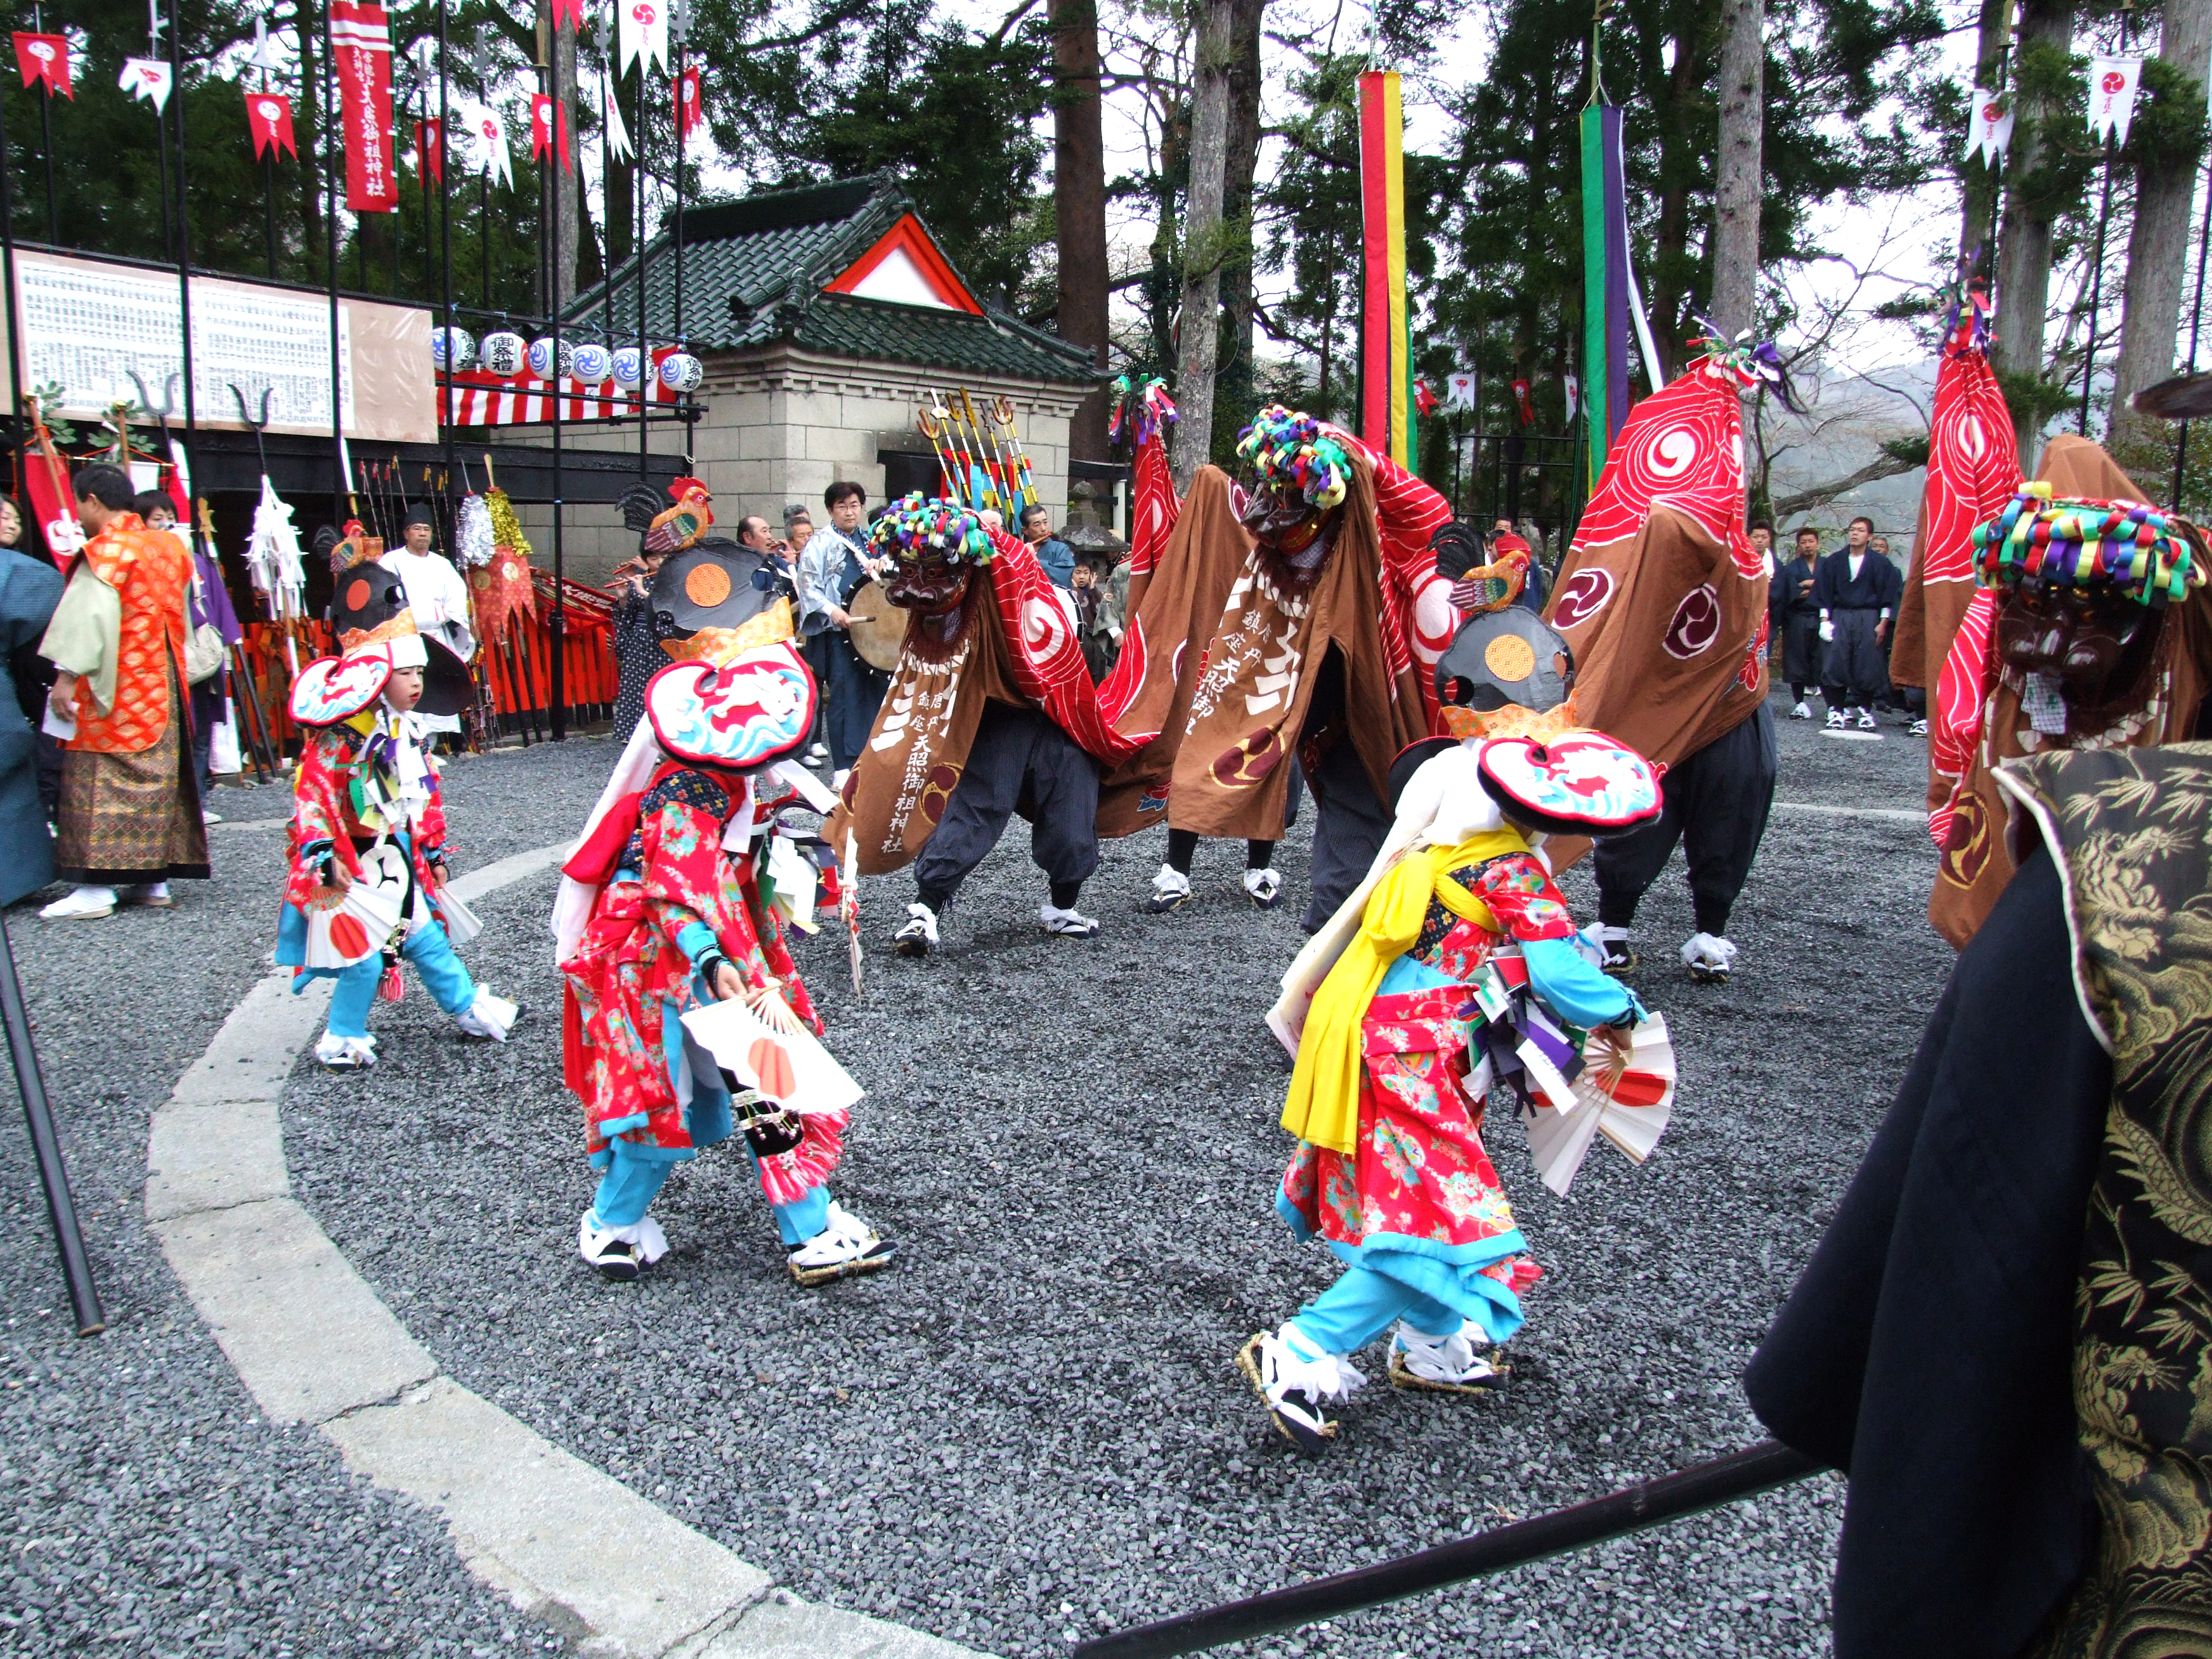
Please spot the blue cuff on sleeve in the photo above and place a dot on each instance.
(1586, 995)
(695, 940)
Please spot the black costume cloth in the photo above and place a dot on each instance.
(1855, 668)
(1927, 1348)
(1715, 803)
(1349, 820)
(1021, 762)
(1794, 613)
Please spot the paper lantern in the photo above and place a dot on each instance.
(503, 354)
(594, 363)
(627, 371)
(681, 372)
(452, 349)
(541, 357)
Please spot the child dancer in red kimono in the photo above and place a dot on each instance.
(1455, 966)
(367, 814)
(664, 909)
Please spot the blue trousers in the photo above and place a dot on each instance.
(630, 1184)
(431, 952)
(1362, 1305)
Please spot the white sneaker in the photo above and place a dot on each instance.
(345, 1053)
(1918, 728)
(1294, 1389)
(1836, 721)
(1264, 888)
(837, 778)
(918, 937)
(1170, 891)
(818, 753)
(847, 1246)
(1867, 721)
(619, 1252)
(207, 816)
(1803, 711)
(489, 1016)
(1708, 957)
(1453, 1364)
(1071, 922)
(84, 905)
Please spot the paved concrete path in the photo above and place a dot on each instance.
(566, 1543)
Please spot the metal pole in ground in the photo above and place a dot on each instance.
(1701, 1486)
(46, 1146)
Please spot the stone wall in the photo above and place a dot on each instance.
(783, 424)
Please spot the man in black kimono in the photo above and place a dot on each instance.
(2002, 1337)
(1856, 592)
(1794, 614)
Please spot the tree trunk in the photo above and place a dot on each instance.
(1671, 235)
(565, 184)
(621, 185)
(307, 18)
(1235, 397)
(1978, 181)
(1079, 198)
(591, 268)
(1200, 313)
(2024, 240)
(2158, 247)
(1738, 176)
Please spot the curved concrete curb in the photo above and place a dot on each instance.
(310, 1339)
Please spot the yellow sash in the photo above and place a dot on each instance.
(1323, 1106)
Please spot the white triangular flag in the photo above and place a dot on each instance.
(146, 78)
(617, 135)
(1989, 128)
(488, 133)
(641, 26)
(2112, 83)
(1574, 394)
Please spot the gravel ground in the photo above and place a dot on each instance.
(147, 1509)
(1032, 1429)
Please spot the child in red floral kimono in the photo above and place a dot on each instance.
(666, 908)
(367, 884)
(1458, 969)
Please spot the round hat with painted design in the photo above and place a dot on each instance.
(1580, 783)
(756, 707)
(334, 689)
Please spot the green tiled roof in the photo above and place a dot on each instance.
(753, 274)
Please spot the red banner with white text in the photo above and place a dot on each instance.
(360, 38)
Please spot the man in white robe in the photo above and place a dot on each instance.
(437, 596)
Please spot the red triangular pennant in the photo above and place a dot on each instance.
(544, 115)
(568, 14)
(688, 110)
(45, 57)
(268, 119)
(430, 151)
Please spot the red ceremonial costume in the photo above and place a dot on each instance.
(685, 1018)
(365, 888)
(130, 808)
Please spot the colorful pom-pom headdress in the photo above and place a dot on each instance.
(920, 530)
(2123, 548)
(1289, 454)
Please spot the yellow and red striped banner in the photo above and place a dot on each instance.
(1386, 345)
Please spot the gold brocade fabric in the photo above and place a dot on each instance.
(149, 571)
(2136, 829)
